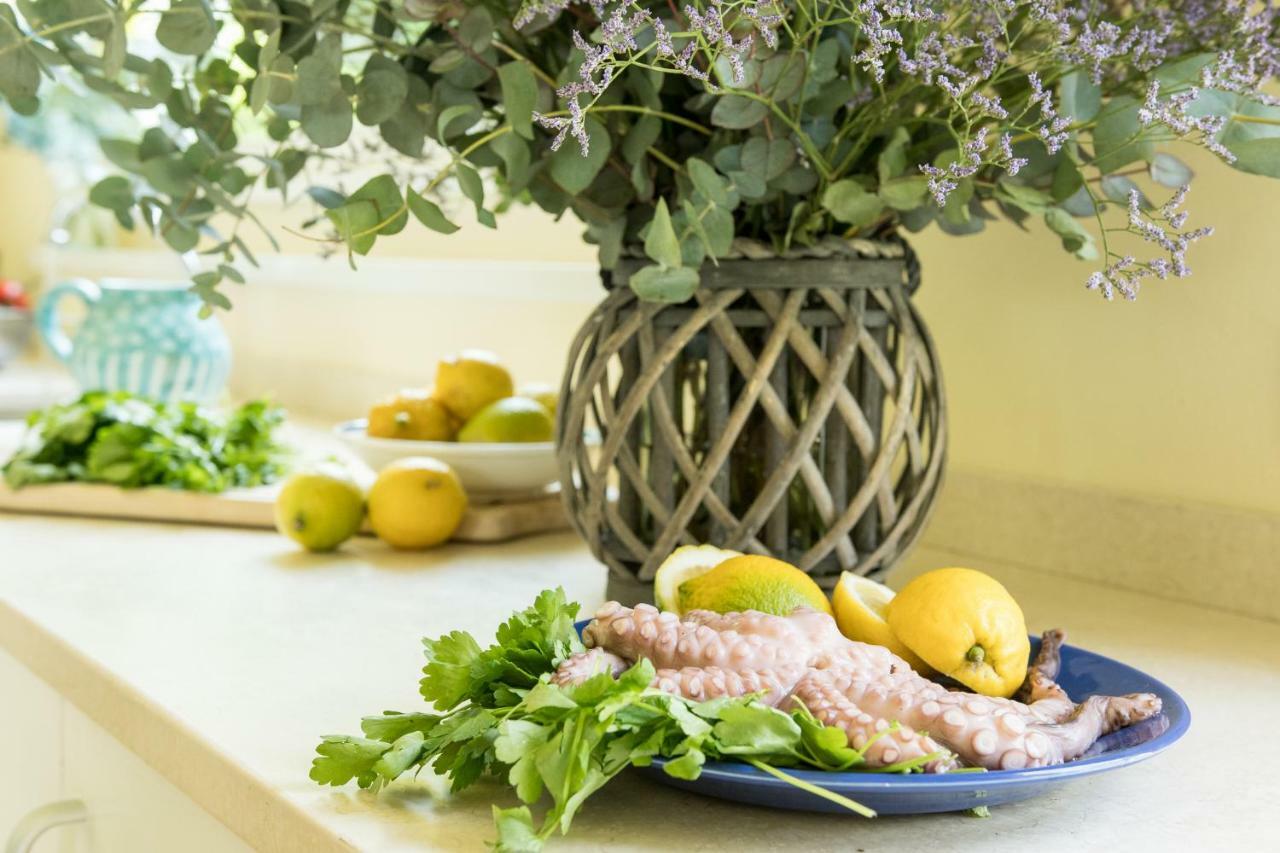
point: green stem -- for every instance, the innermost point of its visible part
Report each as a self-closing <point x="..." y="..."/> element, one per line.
<point x="671" y="117"/>
<point x="817" y="791"/>
<point x="1254" y="119"/>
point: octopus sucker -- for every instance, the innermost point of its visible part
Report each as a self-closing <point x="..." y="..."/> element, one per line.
<point x="870" y="693"/>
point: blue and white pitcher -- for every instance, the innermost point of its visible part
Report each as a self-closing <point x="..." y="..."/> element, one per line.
<point x="144" y="337"/>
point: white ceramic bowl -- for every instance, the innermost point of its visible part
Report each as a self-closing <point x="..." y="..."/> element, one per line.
<point x="488" y="471"/>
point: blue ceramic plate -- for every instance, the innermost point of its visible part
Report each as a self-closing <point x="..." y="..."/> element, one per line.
<point x="1083" y="674"/>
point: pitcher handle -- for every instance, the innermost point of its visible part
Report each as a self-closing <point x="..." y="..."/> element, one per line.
<point x="47" y="317"/>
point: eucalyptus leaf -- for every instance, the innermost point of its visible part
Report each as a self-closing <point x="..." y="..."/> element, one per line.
<point x="709" y="182"/>
<point x="573" y="171"/>
<point x="905" y="193"/>
<point x="1169" y="171"/>
<point x="1075" y="238"/>
<point x="767" y="158"/>
<point x="892" y="161"/>
<point x="665" y="284"/>
<point x="187" y="27"/>
<point x="384" y="194"/>
<point x="357" y="225"/>
<point x="429" y="213"/>
<point x="455" y="120"/>
<point x="19" y="70"/>
<point x="471" y="185"/>
<point x="382" y="90"/>
<point x="1118" y="187"/>
<point x="1257" y="156"/>
<point x="660" y="242"/>
<point x="1079" y="96"/>
<point x="328" y="124"/>
<point x="738" y="112"/>
<point x="113" y="193"/>
<point x="1080" y="203"/>
<point x="640" y="136"/>
<point x="320" y="73"/>
<point x="1119" y="138"/>
<point x="519" y="96"/>
<point x="1023" y="197"/>
<point x="849" y="202"/>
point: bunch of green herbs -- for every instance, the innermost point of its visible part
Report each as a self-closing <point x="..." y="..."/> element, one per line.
<point x="497" y="713"/>
<point x="130" y="441"/>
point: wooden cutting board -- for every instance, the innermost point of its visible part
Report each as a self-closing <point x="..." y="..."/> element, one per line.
<point x="254" y="508"/>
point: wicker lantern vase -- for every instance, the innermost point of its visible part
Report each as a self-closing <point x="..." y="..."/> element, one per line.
<point x="793" y="407"/>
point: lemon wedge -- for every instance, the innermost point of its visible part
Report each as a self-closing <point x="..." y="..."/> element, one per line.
<point x="860" y="606"/>
<point x="685" y="562"/>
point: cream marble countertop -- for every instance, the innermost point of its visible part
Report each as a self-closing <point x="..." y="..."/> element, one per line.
<point x="219" y="656"/>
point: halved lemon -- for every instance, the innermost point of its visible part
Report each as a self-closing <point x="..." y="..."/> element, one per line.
<point x="685" y="562"/>
<point x="751" y="582"/>
<point x="860" y="605"/>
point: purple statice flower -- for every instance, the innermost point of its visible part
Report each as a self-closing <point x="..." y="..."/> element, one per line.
<point x="989" y="106"/>
<point x="1173" y="114"/>
<point x="1011" y="164"/>
<point x="943" y="181"/>
<point x="558" y="124"/>
<point x="1053" y="127"/>
<point x="940" y="186"/>
<point x="1125" y="275"/>
<point x="767" y="16"/>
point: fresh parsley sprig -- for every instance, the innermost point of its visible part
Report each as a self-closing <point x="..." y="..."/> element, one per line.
<point x="500" y="715"/>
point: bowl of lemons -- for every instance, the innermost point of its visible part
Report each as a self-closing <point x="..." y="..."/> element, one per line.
<point x="497" y="437"/>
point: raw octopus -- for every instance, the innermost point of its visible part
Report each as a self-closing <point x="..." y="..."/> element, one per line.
<point x="803" y="659"/>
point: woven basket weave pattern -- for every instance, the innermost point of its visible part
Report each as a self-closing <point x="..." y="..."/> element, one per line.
<point x="793" y="407"/>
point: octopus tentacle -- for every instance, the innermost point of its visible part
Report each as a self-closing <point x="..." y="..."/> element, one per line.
<point x="819" y="694"/>
<point x="671" y="643"/>
<point x="578" y="668"/>
<point x="713" y="682"/>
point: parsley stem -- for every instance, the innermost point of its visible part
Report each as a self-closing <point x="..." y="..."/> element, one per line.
<point x="817" y="791"/>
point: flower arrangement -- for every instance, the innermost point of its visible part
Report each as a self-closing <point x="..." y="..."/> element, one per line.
<point x="672" y="129"/>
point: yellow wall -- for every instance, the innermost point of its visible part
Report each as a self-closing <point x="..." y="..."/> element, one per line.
<point x="1174" y="395"/>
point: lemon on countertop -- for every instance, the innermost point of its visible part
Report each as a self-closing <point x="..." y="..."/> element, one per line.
<point x="860" y="604"/>
<point x="965" y="625"/>
<point x="320" y="508"/>
<point x="416" y="502"/>
<point x="751" y="582"/>
<point x="685" y="562"/>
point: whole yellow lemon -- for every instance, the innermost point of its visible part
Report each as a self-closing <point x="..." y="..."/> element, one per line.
<point x="417" y="502"/>
<point x="412" y="414"/>
<point x="469" y="381"/>
<point x="320" y="508"/>
<point x="967" y="626"/>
